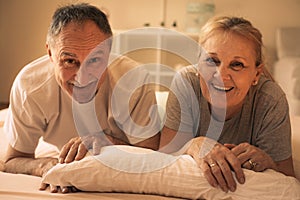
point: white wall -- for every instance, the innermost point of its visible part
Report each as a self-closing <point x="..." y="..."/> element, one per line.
<point x="23" y="24"/>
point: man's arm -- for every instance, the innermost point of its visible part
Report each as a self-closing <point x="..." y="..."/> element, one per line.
<point x="150" y="143"/>
<point x="24" y="163"/>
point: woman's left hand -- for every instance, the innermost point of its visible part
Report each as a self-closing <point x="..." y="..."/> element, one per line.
<point x="252" y="158"/>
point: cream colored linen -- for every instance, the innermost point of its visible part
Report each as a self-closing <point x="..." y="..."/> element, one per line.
<point x="25" y="187"/>
<point x="112" y="171"/>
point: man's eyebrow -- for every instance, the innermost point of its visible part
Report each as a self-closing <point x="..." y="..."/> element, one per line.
<point x="68" y="54"/>
<point x="98" y="51"/>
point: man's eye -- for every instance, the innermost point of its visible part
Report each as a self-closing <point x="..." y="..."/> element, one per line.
<point x="69" y="63"/>
<point x="237" y="66"/>
<point x="93" y="60"/>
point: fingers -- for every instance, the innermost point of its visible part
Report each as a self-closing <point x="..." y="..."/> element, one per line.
<point x="55" y="189"/>
<point x="235" y="165"/>
<point x="208" y="174"/>
<point x="68" y="189"/>
<point x="230" y="146"/>
<point x="77" y="148"/>
<point x="96" y="147"/>
<point x="66" y="149"/>
<point x="82" y="150"/>
<point x="73" y="150"/>
<point x="220" y="174"/>
<point x="218" y="168"/>
<point x="253" y="158"/>
<point x="43" y="186"/>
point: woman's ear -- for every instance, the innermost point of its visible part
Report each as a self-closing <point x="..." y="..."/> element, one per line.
<point x="259" y="71"/>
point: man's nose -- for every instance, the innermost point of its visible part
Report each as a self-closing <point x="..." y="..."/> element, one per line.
<point x="82" y="76"/>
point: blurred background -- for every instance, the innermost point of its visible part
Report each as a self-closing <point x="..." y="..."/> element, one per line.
<point x="24" y="24"/>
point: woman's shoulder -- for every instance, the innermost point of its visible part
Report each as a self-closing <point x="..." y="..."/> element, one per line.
<point x="269" y="88"/>
<point x="190" y="73"/>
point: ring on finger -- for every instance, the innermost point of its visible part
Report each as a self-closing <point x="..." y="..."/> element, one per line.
<point x="252" y="164"/>
<point x="212" y="165"/>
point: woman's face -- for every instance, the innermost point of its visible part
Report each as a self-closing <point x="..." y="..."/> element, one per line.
<point x="227" y="70"/>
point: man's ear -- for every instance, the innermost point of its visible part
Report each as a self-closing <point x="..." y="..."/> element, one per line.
<point x="49" y="52"/>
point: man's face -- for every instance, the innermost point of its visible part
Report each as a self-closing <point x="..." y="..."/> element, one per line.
<point x="80" y="55"/>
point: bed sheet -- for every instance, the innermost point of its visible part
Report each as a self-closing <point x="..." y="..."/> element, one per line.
<point x="19" y="186"/>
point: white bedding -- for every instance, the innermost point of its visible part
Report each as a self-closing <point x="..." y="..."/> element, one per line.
<point x="20" y="186"/>
<point x="17" y="186"/>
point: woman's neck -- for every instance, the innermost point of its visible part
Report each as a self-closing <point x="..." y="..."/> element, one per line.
<point x="223" y="114"/>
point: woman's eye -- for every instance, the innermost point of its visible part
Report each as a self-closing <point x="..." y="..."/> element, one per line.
<point x="237" y="66"/>
<point x="212" y="61"/>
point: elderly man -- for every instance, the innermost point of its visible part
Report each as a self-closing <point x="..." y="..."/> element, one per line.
<point x="74" y="93"/>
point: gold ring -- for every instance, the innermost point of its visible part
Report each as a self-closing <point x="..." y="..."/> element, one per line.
<point x="252" y="164"/>
<point x="212" y="165"/>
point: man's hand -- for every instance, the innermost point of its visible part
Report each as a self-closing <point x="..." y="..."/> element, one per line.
<point x="55" y="189"/>
<point x="73" y="150"/>
<point x="77" y="147"/>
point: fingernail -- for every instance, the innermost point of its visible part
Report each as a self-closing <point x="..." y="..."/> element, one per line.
<point x="65" y="190"/>
<point x="54" y="191"/>
<point x="232" y="189"/>
<point x="242" y="180"/>
<point x="225" y="189"/>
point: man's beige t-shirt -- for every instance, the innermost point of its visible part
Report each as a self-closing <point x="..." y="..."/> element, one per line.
<point x="39" y="108"/>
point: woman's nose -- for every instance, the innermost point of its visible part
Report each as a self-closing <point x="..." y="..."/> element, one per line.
<point x="222" y="71"/>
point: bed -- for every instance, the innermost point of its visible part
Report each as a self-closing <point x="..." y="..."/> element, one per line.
<point x="267" y="185"/>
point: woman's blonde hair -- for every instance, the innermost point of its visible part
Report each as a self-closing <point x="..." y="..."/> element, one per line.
<point x="236" y="25"/>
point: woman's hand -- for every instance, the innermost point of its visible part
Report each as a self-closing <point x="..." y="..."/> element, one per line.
<point x="218" y="164"/>
<point x="253" y="158"/>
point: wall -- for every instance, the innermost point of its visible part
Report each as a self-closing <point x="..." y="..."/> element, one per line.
<point x="23" y="24"/>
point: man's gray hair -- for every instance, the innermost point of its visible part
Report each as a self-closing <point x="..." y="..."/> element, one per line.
<point x="77" y="13"/>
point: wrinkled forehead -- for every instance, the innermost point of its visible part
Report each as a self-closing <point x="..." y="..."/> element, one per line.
<point x="85" y="35"/>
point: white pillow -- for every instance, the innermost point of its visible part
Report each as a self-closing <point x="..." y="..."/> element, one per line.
<point x="136" y="170"/>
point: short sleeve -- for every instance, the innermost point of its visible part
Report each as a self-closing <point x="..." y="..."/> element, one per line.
<point x="23" y="124"/>
<point x="274" y="136"/>
<point x="182" y="109"/>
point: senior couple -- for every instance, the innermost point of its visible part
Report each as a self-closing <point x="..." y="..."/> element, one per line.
<point x="73" y="99"/>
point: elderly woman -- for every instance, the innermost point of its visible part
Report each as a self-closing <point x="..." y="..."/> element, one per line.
<point x="236" y="114"/>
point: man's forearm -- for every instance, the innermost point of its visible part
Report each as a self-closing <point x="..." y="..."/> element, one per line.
<point x="30" y="166"/>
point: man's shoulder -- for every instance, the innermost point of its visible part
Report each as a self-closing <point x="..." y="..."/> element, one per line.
<point x="121" y="63"/>
<point x="123" y="67"/>
<point x="36" y="78"/>
<point x="35" y="74"/>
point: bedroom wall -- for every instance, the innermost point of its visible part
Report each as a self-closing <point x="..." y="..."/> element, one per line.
<point x="23" y="24"/>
